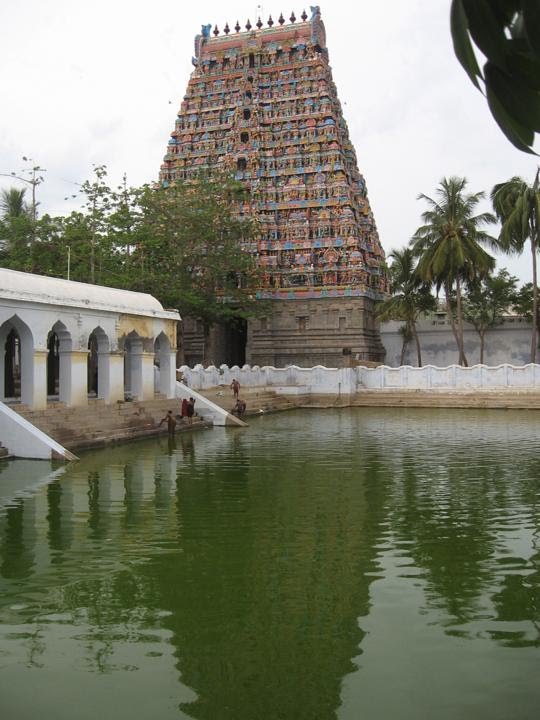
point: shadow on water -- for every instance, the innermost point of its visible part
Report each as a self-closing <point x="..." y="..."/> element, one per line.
<point x="277" y="570"/>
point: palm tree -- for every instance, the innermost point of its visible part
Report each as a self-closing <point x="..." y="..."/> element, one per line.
<point x="15" y="228"/>
<point x="410" y="298"/>
<point x="517" y="206"/>
<point x="12" y="203"/>
<point x="449" y="248"/>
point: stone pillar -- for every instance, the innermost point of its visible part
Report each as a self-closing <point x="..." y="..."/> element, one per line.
<point x="148" y="390"/>
<point x="34" y="378"/>
<point x="167" y="373"/>
<point x="142" y="374"/>
<point x="111" y="376"/>
<point x="74" y="377"/>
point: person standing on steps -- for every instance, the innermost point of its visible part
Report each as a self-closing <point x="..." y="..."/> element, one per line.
<point x="183" y="411"/>
<point x="190" y="409"/>
<point x="235" y="387"/>
<point x="171" y="422"/>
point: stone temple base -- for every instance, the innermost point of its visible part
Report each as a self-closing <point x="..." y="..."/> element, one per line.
<point x="333" y="332"/>
<point x="326" y="331"/>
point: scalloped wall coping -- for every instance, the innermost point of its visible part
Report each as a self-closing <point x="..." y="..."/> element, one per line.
<point x="322" y="380"/>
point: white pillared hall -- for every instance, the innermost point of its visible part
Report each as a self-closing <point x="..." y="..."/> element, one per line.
<point x="67" y="341"/>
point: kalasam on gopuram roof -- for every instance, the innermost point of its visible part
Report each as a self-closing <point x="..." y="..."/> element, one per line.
<point x="261" y="103"/>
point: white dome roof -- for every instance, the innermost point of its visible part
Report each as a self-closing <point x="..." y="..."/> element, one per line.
<point x="28" y="287"/>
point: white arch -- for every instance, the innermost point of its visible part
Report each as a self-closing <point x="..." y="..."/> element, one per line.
<point x="103" y="342"/>
<point x="26" y="340"/>
<point x="66" y="375"/>
<point x="103" y="348"/>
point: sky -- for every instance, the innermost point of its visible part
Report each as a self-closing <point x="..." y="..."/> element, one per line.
<point x="86" y="84"/>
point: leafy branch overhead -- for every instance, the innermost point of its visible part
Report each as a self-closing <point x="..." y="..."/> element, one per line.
<point x="507" y="32"/>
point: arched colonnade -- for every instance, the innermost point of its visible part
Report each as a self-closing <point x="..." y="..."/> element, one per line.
<point x="57" y="345"/>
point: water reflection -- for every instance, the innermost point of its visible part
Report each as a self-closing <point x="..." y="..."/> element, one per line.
<point x="286" y="571"/>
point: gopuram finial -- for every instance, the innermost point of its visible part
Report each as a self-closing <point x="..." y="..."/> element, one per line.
<point x="226" y="29"/>
<point x="304" y="15"/>
<point x="259" y="23"/>
<point x="293" y="17"/>
<point x="216" y="31"/>
<point x="281" y="19"/>
<point x="248" y="25"/>
<point x="237" y="27"/>
<point x="270" y="21"/>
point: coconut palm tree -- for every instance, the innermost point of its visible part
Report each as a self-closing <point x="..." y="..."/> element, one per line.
<point x="15" y="227"/>
<point x="449" y="246"/>
<point x="410" y="298"/>
<point x="517" y="206"/>
<point x="12" y="203"/>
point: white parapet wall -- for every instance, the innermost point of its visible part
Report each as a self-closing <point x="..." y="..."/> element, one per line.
<point x="453" y="377"/>
<point x="286" y="381"/>
<point x="24" y="440"/>
<point x="321" y="380"/>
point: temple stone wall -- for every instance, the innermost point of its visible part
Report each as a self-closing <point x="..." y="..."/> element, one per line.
<point x="225" y="343"/>
<point x="326" y="332"/>
<point x="315" y="332"/>
<point x="506" y="343"/>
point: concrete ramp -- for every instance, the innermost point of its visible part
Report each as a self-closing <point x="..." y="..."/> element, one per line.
<point x="24" y="440"/>
<point x="207" y="409"/>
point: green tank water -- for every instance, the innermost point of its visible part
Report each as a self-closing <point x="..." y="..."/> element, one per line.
<point x="348" y="563"/>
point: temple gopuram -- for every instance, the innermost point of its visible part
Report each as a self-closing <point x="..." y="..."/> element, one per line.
<point x="261" y="103"/>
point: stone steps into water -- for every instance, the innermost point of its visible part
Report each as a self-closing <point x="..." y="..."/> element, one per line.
<point x="268" y="400"/>
<point x="98" y="424"/>
<point x="257" y="399"/>
<point x="443" y="399"/>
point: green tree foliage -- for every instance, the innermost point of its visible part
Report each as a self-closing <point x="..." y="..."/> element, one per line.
<point x="507" y="32"/>
<point x="523" y="303"/>
<point x="92" y="227"/>
<point x="517" y="206"/>
<point x="16" y="230"/>
<point x="449" y="246"/>
<point x="488" y="301"/>
<point x="184" y="243"/>
<point x="410" y="299"/>
<point x="188" y="249"/>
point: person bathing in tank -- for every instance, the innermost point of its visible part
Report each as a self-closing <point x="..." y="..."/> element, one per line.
<point x="240" y="408"/>
<point x="171" y="422"/>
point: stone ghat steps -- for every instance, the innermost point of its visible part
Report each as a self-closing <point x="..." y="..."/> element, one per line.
<point x="256" y="399"/>
<point x="441" y="399"/>
<point x="269" y="401"/>
<point x="98" y="424"/>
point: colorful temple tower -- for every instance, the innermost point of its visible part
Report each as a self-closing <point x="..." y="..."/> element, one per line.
<point x="263" y="104"/>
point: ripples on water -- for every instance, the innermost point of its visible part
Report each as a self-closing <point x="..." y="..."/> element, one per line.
<point x="341" y="564"/>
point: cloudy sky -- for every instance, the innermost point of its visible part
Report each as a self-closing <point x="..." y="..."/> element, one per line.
<point x="101" y="82"/>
